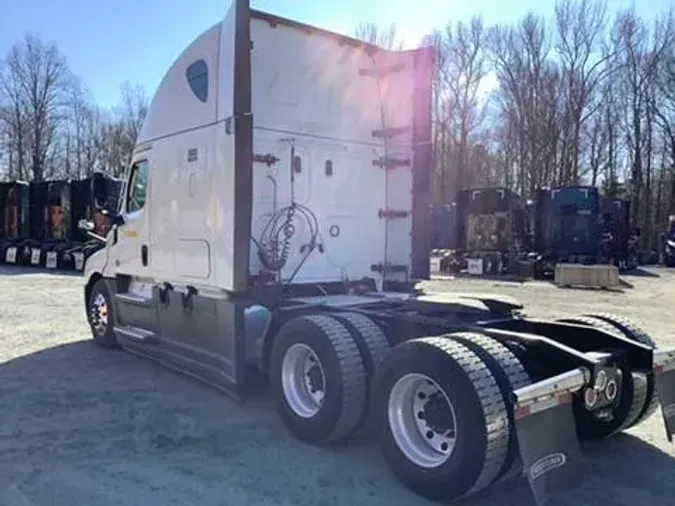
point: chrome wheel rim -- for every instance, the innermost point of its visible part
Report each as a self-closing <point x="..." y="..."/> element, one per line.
<point x="422" y="420"/>
<point x="99" y="313"/>
<point x="303" y="380"/>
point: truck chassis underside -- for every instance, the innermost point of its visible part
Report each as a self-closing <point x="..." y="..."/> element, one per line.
<point x="553" y="382"/>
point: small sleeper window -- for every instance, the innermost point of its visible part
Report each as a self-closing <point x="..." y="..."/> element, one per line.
<point x="197" y="75"/>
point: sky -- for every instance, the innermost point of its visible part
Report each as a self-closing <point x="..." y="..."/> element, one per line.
<point x="108" y="42"/>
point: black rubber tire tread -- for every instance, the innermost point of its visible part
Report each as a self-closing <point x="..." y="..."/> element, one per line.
<point x="107" y="339"/>
<point x="440" y="358"/>
<point x="371" y="334"/>
<point x="633" y="331"/>
<point x="640" y="395"/>
<point x="638" y="385"/>
<point x="373" y="347"/>
<point x="342" y="350"/>
<point x="510" y="375"/>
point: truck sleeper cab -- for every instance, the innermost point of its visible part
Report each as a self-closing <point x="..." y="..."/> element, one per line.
<point x="274" y="220"/>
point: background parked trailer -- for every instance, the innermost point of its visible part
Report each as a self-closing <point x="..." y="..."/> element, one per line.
<point x="444" y="239"/>
<point x="492" y="229"/>
<point x="577" y="225"/>
<point x="40" y="220"/>
<point x="49" y="224"/>
<point x="567" y="226"/>
<point x="90" y="197"/>
<point x="16" y="221"/>
<point x="444" y="226"/>
<point x="619" y="241"/>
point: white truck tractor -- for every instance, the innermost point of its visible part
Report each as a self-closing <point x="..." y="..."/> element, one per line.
<point x="275" y="221"/>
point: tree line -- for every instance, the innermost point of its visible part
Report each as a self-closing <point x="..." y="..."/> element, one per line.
<point x="50" y="126"/>
<point x="582" y="97"/>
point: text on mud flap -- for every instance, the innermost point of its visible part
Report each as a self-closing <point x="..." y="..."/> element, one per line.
<point x="546" y="464"/>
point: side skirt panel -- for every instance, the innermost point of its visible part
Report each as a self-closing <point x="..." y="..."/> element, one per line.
<point x="200" y="336"/>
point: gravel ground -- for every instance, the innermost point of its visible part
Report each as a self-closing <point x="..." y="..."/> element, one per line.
<point x="81" y="426"/>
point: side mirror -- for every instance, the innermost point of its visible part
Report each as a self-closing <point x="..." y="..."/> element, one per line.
<point x="85" y="225"/>
<point x="115" y="219"/>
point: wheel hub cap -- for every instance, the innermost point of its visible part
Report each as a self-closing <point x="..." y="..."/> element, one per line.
<point x="422" y="420"/>
<point x="303" y="380"/>
<point x="99" y="313"/>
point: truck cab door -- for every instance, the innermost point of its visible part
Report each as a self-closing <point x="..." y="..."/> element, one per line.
<point x="129" y="257"/>
<point x="131" y="253"/>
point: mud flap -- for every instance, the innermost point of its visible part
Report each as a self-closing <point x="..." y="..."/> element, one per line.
<point x="547" y="437"/>
<point x="664" y="376"/>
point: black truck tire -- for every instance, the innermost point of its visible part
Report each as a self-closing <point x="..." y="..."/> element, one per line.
<point x="340" y="388"/>
<point x="631" y="403"/>
<point x="414" y="433"/>
<point x="101" y="317"/>
<point x="510" y="375"/>
<point x="633" y="331"/>
<point x="373" y="347"/>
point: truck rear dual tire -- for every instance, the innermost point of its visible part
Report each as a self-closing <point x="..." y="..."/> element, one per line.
<point x="638" y="399"/>
<point x="443" y="424"/>
<point x="320" y="369"/>
<point x="510" y="375"/>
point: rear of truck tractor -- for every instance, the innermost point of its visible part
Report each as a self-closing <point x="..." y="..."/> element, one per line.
<point x="459" y="411"/>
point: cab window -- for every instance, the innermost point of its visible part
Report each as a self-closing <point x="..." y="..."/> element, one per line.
<point x="137" y="187"/>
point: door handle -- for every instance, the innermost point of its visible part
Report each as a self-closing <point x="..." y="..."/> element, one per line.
<point x="144" y="255"/>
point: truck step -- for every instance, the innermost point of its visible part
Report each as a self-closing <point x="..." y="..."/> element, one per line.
<point x="137" y="300"/>
<point x="136" y="334"/>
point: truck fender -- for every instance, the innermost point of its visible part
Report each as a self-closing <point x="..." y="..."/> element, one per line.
<point x="257" y="322"/>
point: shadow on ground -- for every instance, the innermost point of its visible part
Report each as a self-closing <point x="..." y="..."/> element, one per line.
<point x="79" y="425"/>
<point x="642" y="273"/>
<point x="20" y="270"/>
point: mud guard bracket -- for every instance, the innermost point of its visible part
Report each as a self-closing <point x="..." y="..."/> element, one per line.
<point x="546" y="431"/>
<point x="664" y="377"/>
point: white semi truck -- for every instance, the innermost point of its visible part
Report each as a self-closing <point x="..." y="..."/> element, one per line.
<point x="275" y="220"/>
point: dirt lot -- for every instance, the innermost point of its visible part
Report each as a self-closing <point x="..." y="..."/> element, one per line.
<point x="82" y="426"/>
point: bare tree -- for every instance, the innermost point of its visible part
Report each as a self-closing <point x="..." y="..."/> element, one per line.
<point x="385" y="38"/>
<point x="130" y="114"/>
<point x="34" y="79"/>
<point x="528" y="99"/>
<point x="640" y="57"/>
<point x="580" y="27"/>
<point x="463" y="70"/>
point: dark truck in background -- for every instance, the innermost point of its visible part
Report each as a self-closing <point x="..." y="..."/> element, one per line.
<point x="492" y="231"/>
<point x="576" y="224"/>
<point x="619" y="242"/>
<point x="485" y="231"/>
<point x="39" y="220"/>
